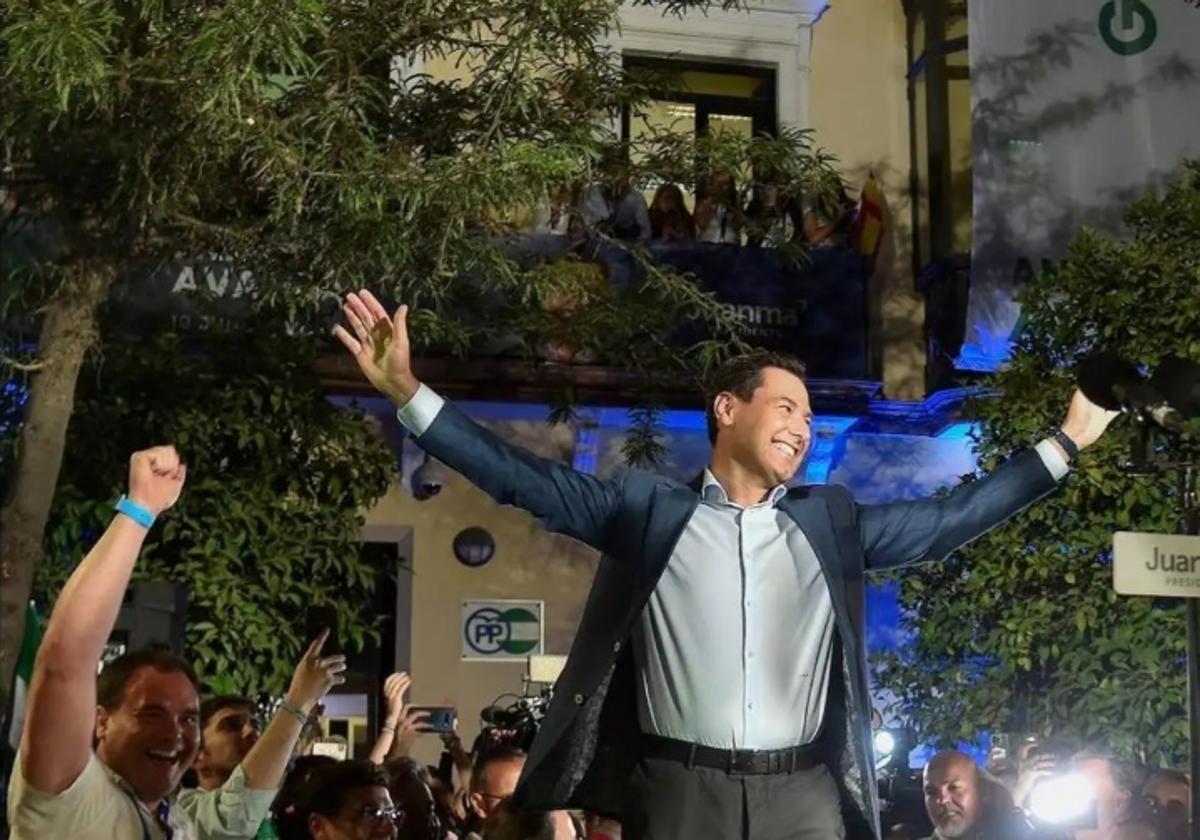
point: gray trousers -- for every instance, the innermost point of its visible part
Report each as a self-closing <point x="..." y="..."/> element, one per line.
<point x="669" y="801"/>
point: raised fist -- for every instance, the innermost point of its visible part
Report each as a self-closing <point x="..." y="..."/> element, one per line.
<point x="156" y="478"/>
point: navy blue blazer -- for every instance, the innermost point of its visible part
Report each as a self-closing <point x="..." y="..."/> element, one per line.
<point x="587" y="746"/>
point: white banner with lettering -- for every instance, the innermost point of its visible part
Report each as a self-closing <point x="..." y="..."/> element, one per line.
<point x="1078" y="107"/>
<point x="1156" y="564"/>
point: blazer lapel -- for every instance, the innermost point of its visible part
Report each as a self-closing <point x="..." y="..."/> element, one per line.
<point x="811" y="516"/>
<point x="672" y="507"/>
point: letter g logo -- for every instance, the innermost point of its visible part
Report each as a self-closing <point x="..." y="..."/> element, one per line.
<point x="1129" y="36"/>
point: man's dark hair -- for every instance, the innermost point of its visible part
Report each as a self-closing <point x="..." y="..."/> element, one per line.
<point x="330" y="787"/>
<point x="110" y="686"/>
<point x="1170" y="774"/>
<point x="1125" y="774"/>
<point x="741" y="376"/>
<point x="405" y="770"/>
<point x="288" y="807"/>
<point x="210" y="707"/>
<point x="510" y="824"/>
<point x="489" y="756"/>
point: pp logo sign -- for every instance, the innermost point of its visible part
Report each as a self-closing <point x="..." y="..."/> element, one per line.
<point x="501" y="631"/>
<point x="1128" y="27"/>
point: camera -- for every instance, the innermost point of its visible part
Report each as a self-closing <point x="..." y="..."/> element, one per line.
<point x="515" y="724"/>
<point x="428" y="479"/>
<point x="1064" y="802"/>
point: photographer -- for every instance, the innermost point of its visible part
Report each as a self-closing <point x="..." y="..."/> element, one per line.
<point x="1091" y="796"/>
<point x="1116" y="786"/>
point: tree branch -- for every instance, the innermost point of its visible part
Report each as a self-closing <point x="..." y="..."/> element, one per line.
<point x="24" y="367"/>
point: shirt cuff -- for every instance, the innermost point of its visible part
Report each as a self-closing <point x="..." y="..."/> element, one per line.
<point x="255" y="802"/>
<point x="418" y="414"/>
<point x="1053" y="459"/>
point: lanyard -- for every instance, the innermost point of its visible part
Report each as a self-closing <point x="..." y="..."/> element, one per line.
<point x="163" y="813"/>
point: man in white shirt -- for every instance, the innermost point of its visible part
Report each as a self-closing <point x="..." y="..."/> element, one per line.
<point x="144" y="711"/>
<point x="144" y="714"/>
<point x="240" y="770"/>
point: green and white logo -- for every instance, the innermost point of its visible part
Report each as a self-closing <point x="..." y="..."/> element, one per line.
<point x="492" y="631"/>
<point x="1128" y="27"/>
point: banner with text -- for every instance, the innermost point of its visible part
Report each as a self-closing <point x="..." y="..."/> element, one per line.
<point x="1078" y="107"/>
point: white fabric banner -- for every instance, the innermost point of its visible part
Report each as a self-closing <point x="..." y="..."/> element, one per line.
<point x="1078" y="107"/>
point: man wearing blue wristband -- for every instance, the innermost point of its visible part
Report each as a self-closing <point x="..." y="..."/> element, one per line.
<point x="143" y="713"/>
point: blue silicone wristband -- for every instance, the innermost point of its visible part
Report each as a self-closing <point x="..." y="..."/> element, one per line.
<point x="134" y="511"/>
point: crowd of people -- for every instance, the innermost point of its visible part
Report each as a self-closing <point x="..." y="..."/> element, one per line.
<point x="721" y="214"/>
<point x="154" y="761"/>
<point x="107" y="758"/>
<point x="136" y="753"/>
<point x="1089" y="795"/>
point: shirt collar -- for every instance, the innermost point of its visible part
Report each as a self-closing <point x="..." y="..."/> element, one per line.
<point x="712" y="492"/>
<point x="162" y="812"/>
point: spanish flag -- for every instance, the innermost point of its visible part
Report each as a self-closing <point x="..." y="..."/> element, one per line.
<point x="867" y="232"/>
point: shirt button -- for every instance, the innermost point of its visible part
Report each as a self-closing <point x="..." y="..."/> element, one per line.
<point x="578" y="699"/>
<point x="749" y="705"/>
<point x="617" y="647"/>
<point x="750" y="655"/>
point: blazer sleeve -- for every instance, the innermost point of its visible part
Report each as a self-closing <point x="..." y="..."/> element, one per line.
<point x="901" y="533"/>
<point x="565" y="500"/>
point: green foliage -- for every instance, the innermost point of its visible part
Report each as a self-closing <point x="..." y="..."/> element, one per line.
<point x="287" y="137"/>
<point x="1022" y="630"/>
<point x="268" y="524"/>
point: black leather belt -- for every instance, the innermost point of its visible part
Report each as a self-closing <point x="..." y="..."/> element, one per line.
<point x="734" y="762"/>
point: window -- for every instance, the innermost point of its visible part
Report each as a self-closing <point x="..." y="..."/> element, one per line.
<point x="698" y="97"/>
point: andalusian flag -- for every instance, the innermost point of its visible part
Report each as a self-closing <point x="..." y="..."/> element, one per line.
<point x="29" y="648"/>
<point x="867" y="233"/>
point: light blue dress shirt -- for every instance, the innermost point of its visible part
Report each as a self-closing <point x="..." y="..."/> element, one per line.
<point x="734" y="646"/>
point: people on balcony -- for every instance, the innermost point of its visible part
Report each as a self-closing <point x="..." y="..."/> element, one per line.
<point x="670" y="221"/>
<point x="718" y="211"/>
<point x="773" y="216"/>
<point x="827" y="223"/>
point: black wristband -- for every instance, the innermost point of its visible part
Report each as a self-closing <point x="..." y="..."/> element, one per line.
<point x="1068" y="445"/>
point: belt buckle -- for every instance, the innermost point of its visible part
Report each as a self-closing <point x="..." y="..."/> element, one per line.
<point x="741" y="762"/>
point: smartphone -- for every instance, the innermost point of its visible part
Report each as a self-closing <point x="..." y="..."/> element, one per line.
<point x="439" y="719"/>
<point x="338" y="750"/>
<point x="316" y="620"/>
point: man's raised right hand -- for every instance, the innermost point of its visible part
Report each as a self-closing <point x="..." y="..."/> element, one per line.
<point x="380" y="345"/>
<point x="156" y="477"/>
<point x="315" y="675"/>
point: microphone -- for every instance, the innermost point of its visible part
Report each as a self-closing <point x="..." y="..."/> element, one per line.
<point x="1102" y="375"/>
<point x="1178" y="380"/>
<point x="1168" y="398"/>
<point x="1143" y="400"/>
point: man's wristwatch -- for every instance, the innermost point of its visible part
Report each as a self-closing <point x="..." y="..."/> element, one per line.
<point x="1069" y="446"/>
